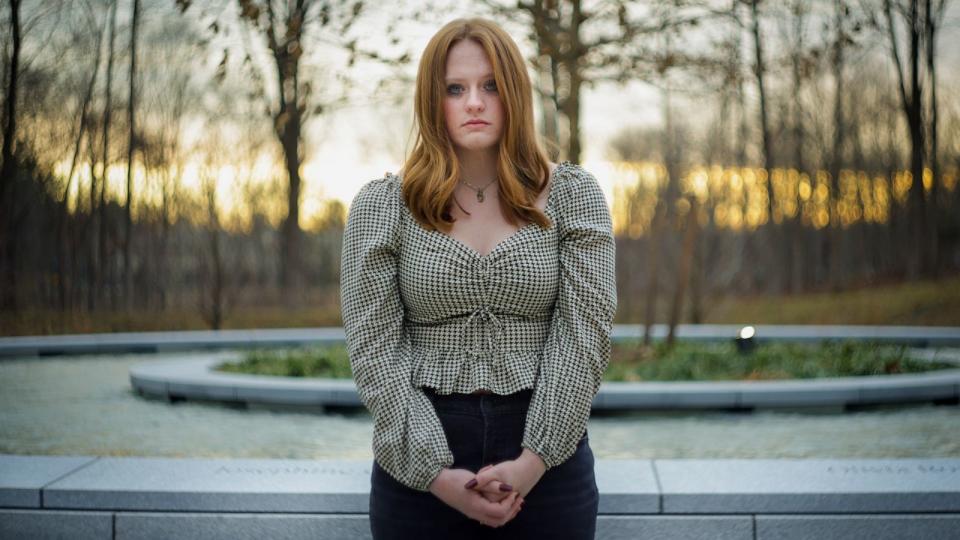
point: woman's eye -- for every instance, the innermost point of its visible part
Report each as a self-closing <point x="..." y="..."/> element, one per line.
<point x="491" y="86"/>
<point x="454" y="89"/>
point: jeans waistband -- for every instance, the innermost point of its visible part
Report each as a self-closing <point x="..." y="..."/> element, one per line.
<point x="480" y="404"/>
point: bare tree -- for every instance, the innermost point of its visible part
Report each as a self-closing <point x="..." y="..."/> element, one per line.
<point x="686" y="261"/>
<point x="283" y="26"/>
<point x="578" y="45"/>
<point x="760" y="71"/>
<point x="100" y="265"/>
<point x="8" y="181"/>
<point x="131" y="121"/>
<point x="919" y="27"/>
<point x="65" y="271"/>
<point x="933" y="20"/>
<point x="840" y="13"/>
<point x="212" y="287"/>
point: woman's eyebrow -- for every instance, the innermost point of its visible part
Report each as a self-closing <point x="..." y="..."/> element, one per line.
<point x="452" y="79"/>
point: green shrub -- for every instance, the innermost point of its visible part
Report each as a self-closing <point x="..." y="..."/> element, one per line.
<point x="631" y="361"/>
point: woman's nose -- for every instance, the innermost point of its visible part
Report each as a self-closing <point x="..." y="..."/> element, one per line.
<point x="475" y="101"/>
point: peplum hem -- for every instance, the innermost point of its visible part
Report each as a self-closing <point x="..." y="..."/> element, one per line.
<point x="453" y="371"/>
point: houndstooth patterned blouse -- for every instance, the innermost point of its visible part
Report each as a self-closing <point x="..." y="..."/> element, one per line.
<point x="421" y="308"/>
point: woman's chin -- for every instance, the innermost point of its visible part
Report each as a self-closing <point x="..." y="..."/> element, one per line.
<point x="476" y="146"/>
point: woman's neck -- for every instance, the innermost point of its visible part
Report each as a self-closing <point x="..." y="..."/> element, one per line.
<point x="478" y="168"/>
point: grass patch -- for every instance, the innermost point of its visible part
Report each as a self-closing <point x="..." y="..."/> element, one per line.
<point x="720" y="361"/>
<point x="919" y="303"/>
<point x="630" y="361"/>
<point x="329" y="362"/>
<point x="927" y="303"/>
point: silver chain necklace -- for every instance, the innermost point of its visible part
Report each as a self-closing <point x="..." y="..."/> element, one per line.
<point x="479" y="191"/>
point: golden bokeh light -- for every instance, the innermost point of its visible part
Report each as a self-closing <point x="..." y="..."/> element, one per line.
<point x="738" y="197"/>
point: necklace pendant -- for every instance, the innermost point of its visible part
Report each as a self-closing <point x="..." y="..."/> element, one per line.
<point x="480" y="196"/>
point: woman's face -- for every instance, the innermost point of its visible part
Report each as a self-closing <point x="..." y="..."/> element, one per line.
<point x="471" y="104"/>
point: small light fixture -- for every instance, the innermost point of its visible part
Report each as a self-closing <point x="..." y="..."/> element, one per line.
<point x="744" y="340"/>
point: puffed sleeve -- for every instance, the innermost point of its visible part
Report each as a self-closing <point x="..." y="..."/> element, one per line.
<point x="408" y="439"/>
<point x="577" y="349"/>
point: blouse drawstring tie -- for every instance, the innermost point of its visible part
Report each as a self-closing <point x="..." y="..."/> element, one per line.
<point x="477" y="325"/>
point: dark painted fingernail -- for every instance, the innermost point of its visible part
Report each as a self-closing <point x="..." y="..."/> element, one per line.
<point x="506" y="487"/>
<point x="471" y="484"/>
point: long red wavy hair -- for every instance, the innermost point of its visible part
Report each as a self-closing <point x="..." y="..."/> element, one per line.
<point x="431" y="170"/>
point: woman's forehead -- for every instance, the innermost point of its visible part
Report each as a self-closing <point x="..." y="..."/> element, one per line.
<point x="467" y="59"/>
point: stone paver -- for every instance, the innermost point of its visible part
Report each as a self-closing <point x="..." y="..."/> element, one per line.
<point x="860" y="527"/>
<point x="763" y="486"/>
<point x="211" y="485"/>
<point x="23" y="477"/>
<point x="736" y="499"/>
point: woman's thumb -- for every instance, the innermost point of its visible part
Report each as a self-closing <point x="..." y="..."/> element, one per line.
<point x="485" y="475"/>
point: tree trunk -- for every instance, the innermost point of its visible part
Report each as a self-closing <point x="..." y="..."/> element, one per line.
<point x="760" y="71"/>
<point x="697" y="277"/>
<point x="103" y="266"/>
<point x="836" y="160"/>
<point x="571" y="103"/>
<point x="791" y="227"/>
<point x="932" y="20"/>
<point x="683" y="273"/>
<point x="214" y="277"/>
<point x="653" y="258"/>
<point x="91" y="229"/>
<point x="547" y="73"/>
<point x="287" y="49"/>
<point x="8" y="180"/>
<point x="131" y="109"/>
<point x="911" y="97"/>
<point x="290" y="140"/>
<point x="64" y="270"/>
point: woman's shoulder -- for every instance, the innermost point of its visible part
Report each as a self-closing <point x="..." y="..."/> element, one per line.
<point x="376" y="208"/>
<point x="381" y="193"/>
<point x="381" y="186"/>
<point x="576" y="187"/>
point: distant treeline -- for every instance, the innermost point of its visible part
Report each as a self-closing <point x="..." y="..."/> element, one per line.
<point x="152" y="152"/>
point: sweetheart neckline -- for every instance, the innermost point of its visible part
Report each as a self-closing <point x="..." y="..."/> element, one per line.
<point x="548" y="208"/>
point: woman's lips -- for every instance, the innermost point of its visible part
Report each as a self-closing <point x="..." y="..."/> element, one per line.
<point x="476" y="123"/>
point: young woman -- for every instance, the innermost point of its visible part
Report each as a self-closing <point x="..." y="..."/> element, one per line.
<point x="478" y="294"/>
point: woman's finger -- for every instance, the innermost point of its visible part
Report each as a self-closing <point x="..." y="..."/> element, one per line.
<point x="517" y="505"/>
<point x="514" y="510"/>
<point x="492" y="482"/>
<point x="492" y="486"/>
<point x="492" y="490"/>
<point x="494" y="497"/>
<point x="500" y="510"/>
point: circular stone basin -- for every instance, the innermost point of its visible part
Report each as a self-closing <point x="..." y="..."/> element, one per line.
<point x="197" y="379"/>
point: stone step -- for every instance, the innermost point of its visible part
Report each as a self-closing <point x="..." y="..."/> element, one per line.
<point x="90" y="497"/>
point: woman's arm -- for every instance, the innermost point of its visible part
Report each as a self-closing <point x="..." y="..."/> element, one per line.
<point x="408" y="439"/>
<point x="577" y="348"/>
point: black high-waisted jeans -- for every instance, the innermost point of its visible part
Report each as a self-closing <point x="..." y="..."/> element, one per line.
<point x="484" y="429"/>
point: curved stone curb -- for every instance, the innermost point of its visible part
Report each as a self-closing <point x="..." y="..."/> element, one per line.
<point x="196" y="379"/>
<point x="151" y="342"/>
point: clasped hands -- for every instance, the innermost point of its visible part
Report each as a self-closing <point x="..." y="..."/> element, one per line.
<point x="494" y="495"/>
